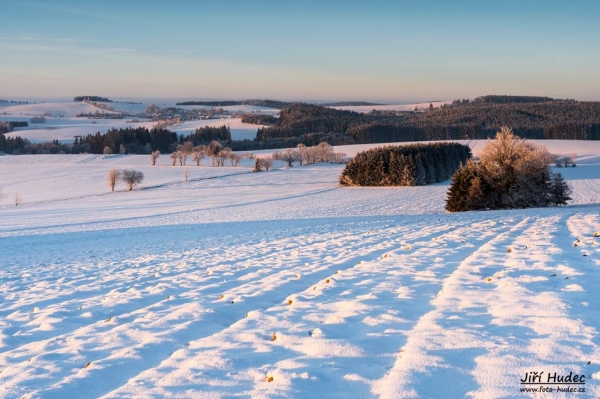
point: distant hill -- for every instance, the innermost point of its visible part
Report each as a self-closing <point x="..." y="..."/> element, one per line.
<point x="529" y="117"/>
<point x="512" y="99"/>
<point x="349" y="104"/>
<point x="227" y="103"/>
<point x="92" y="98"/>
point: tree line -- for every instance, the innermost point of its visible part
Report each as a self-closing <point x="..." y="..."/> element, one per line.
<point x="260" y="119"/>
<point x="409" y="165"/>
<point x="7" y="127"/>
<point x="144" y="141"/>
<point x="532" y="118"/>
<point x="511" y="99"/>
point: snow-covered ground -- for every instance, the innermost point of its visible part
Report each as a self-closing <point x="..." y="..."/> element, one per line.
<point x="281" y="284"/>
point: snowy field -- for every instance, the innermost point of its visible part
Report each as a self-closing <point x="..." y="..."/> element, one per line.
<point x="281" y="284"/>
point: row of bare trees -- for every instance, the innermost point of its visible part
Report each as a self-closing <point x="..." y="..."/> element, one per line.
<point x="217" y="153"/>
<point x="308" y="155"/>
<point x="565" y="160"/>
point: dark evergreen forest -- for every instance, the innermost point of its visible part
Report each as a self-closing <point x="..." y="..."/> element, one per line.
<point x="529" y="117"/>
<point x="408" y="165"/>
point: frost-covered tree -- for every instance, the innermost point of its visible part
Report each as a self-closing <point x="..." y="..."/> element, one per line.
<point x="511" y="173"/>
<point x="187" y="147"/>
<point x="290" y="156"/>
<point x="113" y="178"/>
<point x="198" y="154"/>
<point x="266" y="163"/>
<point x="212" y="150"/>
<point x="324" y="152"/>
<point x="154" y="156"/>
<point x="302" y="151"/>
<point x="174" y="157"/>
<point x="257" y="165"/>
<point x="224" y="154"/>
<point x="234" y="159"/>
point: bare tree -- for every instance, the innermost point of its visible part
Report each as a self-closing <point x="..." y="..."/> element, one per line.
<point x="113" y="177"/>
<point x="131" y="178"/>
<point x="186" y="174"/>
<point x="182" y="158"/>
<point x="18" y="199"/>
<point x="107" y="150"/>
<point x="290" y="156"/>
<point x="154" y="156"/>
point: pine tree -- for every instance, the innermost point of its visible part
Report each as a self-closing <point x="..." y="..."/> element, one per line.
<point x="559" y="190"/>
<point x="458" y="193"/>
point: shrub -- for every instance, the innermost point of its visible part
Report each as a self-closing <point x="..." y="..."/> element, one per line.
<point x="511" y="173"/>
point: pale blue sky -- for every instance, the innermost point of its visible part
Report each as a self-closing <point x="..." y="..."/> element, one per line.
<point x="306" y="50"/>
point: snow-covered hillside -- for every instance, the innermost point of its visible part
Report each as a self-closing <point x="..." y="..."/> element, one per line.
<point x="62" y="124"/>
<point x="392" y="107"/>
<point x="281" y="284"/>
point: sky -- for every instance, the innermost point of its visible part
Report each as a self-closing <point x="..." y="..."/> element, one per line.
<point x="384" y="51"/>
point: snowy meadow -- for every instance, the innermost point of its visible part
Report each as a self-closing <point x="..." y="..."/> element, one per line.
<point x="282" y="284"/>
